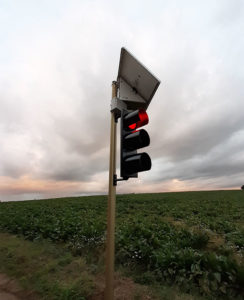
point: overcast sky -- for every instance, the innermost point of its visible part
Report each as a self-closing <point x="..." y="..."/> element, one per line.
<point x="57" y="62"/>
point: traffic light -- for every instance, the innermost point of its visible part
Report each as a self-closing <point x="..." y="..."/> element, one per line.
<point x="132" y="162"/>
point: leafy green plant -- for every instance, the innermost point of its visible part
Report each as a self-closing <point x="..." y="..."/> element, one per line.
<point x="163" y="236"/>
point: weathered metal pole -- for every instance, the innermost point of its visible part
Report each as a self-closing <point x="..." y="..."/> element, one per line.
<point x="109" y="290"/>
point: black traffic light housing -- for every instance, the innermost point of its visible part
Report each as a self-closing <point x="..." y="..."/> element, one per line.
<point x="132" y="162"/>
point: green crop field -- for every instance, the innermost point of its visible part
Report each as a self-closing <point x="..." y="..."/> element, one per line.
<point x="192" y="240"/>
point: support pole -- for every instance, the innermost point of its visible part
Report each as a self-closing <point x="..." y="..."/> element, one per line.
<point x="109" y="290"/>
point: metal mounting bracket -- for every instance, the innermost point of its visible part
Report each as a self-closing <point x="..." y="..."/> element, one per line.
<point x="115" y="179"/>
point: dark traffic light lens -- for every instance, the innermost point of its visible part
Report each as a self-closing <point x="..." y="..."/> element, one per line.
<point x="136" y="140"/>
<point x="139" y="162"/>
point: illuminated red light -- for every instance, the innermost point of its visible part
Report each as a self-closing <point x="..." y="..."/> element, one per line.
<point x="132" y="126"/>
<point x="143" y="120"/>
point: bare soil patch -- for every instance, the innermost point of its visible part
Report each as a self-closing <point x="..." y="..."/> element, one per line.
<point x="124" y="289"/>
<point x="11" y="290"/>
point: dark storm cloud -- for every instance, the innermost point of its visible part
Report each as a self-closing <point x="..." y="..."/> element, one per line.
<point x="202" y="137"/>
<point x="225" y="160"/>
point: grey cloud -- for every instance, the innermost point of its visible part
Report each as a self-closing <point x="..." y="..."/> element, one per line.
<point x="55" y="95"/>
<point x="75" y="169"/>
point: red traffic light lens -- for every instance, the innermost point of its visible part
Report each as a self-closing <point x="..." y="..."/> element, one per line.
<point x="143" y="120"/>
